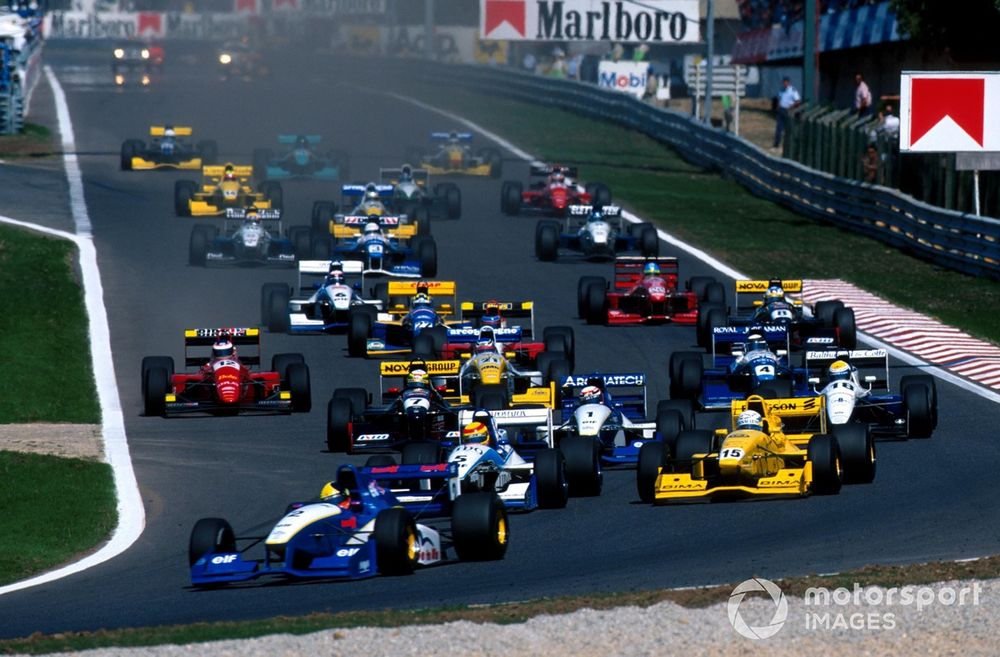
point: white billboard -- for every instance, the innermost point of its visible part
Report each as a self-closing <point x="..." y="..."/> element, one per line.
<point x="949" y="112"/>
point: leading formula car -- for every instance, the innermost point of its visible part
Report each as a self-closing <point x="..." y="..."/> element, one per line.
<point x="356" y="528"/>
<point x="167" y="150"/>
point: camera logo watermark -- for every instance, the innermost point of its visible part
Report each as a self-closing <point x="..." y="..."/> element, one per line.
<point x="757" y="632"/>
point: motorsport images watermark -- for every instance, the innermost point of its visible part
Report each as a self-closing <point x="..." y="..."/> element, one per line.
<point x="859" y="608"/>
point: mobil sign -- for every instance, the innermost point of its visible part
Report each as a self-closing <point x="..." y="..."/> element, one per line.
<point x="628" y="77"/>
<point x="648" y="21"/>
<point x="949" y="112"/>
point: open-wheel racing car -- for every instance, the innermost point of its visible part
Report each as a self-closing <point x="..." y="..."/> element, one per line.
<point x="454" y="155"/>
<point x="221" y="381"/>
<point x="249" y="237"/>
<point x="596" y="233"/>
<point x="385" y="246"/>
<point x="415" y="319"/>
<point x="551" y="192"/>
<point x="645" y="291"/>
<point x="373" y="201"/>
<point x="318" y="307"/>
<point x="225" y="186"/>
<point x="414" y="196"/>
<point x="776" y="447"/>
<point x="299" y="159"/>
<point x="167" y="150"/>
<point x="135" y="62"/>
<point x="357" y="528"/>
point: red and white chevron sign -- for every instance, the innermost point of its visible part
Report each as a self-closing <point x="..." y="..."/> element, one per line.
<point x="930" y="340"/>
<point x="949" y="112"/>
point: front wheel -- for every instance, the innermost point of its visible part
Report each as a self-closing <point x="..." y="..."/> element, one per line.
<point x="397" y="546"/>
<point x="479" y="527"/>
<point x="210" y="535"/>
<point x="583" y="465"/>
<point x="550" y="477"/>
<point x="651" y="458"/>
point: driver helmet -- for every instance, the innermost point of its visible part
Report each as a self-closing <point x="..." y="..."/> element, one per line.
<point x="559" y="177"/>
<point x="750" y="420"/>
<point x="596" y="215"/>
<point x="651" y="269"/>
<point x="486" y="342"/>
<point x="491" y="315"/>
<point x="416" y="377"/>
<point x="590" y="395"/>
<point x="372" y="228"/>
<point x="223" y="348"/>
<point x="421" y="300"/>
<point x="476" y="432"/>
<point x="774" y="293"/>
<point x="169" y="133"/>
<point x="252" y="215"/>
<point x="839" y="371"/>
<point x="335" y="276"/>
<point x="453" y="137"/>
<point x="301" y="142"/>
<point x="333" y="495"/>
<point x="406" y="173"/>
<point x="371" y="194"/>
<point x="756" y="342"/>
<point x="228" y="173"/>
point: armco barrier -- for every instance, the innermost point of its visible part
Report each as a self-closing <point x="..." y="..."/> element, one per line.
<point x="951" y="239"/>
<point x="20" y="56"/>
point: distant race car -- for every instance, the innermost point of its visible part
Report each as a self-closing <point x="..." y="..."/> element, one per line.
<point x="372" y="200"/>
<point x="855" y="385"/>
<point x="357" y="528"/>
<point x="646" y="291"/>
<point x="776" y="301"/>
<point x="136" y="63"/>
<point x="415" y="319"/>
<point x="317" y="307"/>
<point x="167" y="150"/>
<point x="454" y="155"/>
<point x="385" y="246"/>
<point x="225" y="384"/>
<point x="299" y="158"/>
<point x="226" y="186"/>
<point x="596" y="233"/>
<point x="551" y="192"/>
<point x="241" y="60"/>
<point x="248" y="237"/>
<point x="414" y="196"/>
<point x="775" y="447"/>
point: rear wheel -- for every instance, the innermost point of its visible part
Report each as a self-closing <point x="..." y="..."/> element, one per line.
<point x="298" y="385"/>
<point x="582" y="287"/>
<point x="847" y="332"/>
<point x="491" y="397"/>
<point x="917" y="406"/>
<point x="274" y="193"/>
<point x="427" y="254"/>
<point x="210" y="535"/>
<point x="824" y="454"/>
<point x="824" y="311"/>
<point x="421" y="453"/>
<point x="669" y="425"/>
<point x="266" y="291"/>
<point x="127" y="153"/>
<point x="320" y="246"/>
<point x="547" y="241"/>
<point x="322" y="214"/>
<point x="583" y="465"/>
<point x="931" y="383"/>
<point x="380" y="461"/>
<point x="299" y="236"/>
<point x="479" y="527"/>
<point x="198" y="246"/>
<point x="715" y="317"/>
<point x="357" y="396"/>
<point x="601" y="196"/>
<point x="777" y="389"/>
<point x="550" y="477"/>
<point x="156" y="385"/>
<point x="359" y="329"/>
<point x="453" y="198"/>
<point x="569" y="341"/>
<point x="682" y="406"/>
<point x="281" y="362"/>
<point x="597" y="303"/>
<point x="278" y="320"/>
<point x="698" y="285"/>
<point x="338" y="425"/>
<point x="715" y="293"/>
<point x="397" y="546"/>
<point x="184" y="191"/>
<point x="674" y="370"/>
<point x="149" y="362"/>
<point x="510" y="200"/>
<point x="689" y="444"/>
<point x="649" y="242"/>
<point x="651" y="458"/>
<point x="689" y="379"/>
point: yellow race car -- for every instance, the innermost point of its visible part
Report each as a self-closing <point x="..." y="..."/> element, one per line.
<point x="225" y="186"/>
<point x="776" y="447"/>
<point x="455" y="155"/>
<point x="167" y="150"/>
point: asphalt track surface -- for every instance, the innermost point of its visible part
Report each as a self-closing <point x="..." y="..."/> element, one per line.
<point x="932" y="499"/>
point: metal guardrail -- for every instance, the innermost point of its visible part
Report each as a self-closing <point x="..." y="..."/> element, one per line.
<point x="955" y="240"/>
<point x="20" y="69"/>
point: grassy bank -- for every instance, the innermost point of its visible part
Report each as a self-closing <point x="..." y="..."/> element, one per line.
<point x="755" y="236"/>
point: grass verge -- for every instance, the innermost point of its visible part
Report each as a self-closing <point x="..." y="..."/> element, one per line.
<point x="35" y="141"/>
<point x="517" y="612"/>
<point x="75" y="497"/>
<point x="753" y="235"/>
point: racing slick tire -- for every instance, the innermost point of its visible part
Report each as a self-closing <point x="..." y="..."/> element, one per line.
<point x="453" y="199"/>
<point x="557" y="372"/>
<point x="357" y="396"/>
<point x="280" y="363"/>
<point x="397" y="543"/>
<point x="380" y="292"/>
<point x="682" y="406"/>
<point x="569" y="340"/>
<point x="777" y="389"/>
<point x="857" y="452"/>
<point x="323" y="212"/>
<point x="690" y="443"/>
<point x="261" y="156"/>
<point x="423" y="218"/>
<point x="277" y="308"/>
<point x="714" y="316"/>
<point x="380" y="461"/>
<point x="597" y="304"/>
<point x="439" y="337"/>
<point x="689" y="372"/>
<point x="149" y="362"/>
<point x="338" y="425"/>
<point x="298" y="384"/>
<point x="698" y="285"/>
<point x="155" y="386"/>
<point x="210" y="535"/>
<point x="266" y="290"/>
<point x="479" y="527"/>
<point x="931" y="384"/>
<point x="824" y="311"/>
<point x="320" y="246"/>
<point x="824" y="454"/>
<point x="669" y="425"/>
<point x="208" y="149"/>
<point x="917" y="398"/>
<point x="715" y="293"/>
<point x="423" y="346"/>
<point x="652" y="456"/>
<point x="847" y="330"/>
<point x="491" y="397"/>
<point x="427" y="254"/>
<point x="359" y="329"/>
<point x="130" y="148"/>
<point x="550" y="477"/>
<point x="649" y="242"/>
<point x="510" y="198"/>
<point x="421" y="453"/>
<point x="198" y="245"/>
<point x="581" y="293"/>
<point x="674" y="368"/>
<point x="184" y="191"/>
<point x="301" y="243"/>
<point x="547" y="241"/>
<point x="583" y="465"/>
<point x="493" y="157"/>
<point x="601" y="195"/>
<point x="273" y="192"/>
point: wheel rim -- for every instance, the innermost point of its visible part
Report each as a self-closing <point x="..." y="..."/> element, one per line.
<point x="411" y="545"/>
<point x="502" y="531"/>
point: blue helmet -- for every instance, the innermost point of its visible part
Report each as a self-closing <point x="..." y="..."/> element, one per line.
<point x="651" y="269"/>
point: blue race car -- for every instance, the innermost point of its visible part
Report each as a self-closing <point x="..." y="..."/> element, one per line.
<point x="744" y="360"/>
<point x="412" y="309"/>
<point x="383" y="248"/>
<point x="357" y="529"/>
<point x="375" y="200"/>
<point x="596" y="233"/>
<point x="300" y="161"/>
<point x="249" y="237"/>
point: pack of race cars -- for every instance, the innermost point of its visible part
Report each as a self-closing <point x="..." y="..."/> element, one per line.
<point x="477" y="412"/>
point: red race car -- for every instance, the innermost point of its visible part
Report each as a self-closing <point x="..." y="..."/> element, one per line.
<point x="645" y="291"/>
<point x="553" y="189"/>
<point x="222" y="382"/>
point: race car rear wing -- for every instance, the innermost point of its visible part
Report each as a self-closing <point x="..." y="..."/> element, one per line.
<point x="464" y="335"/>
<point x="242" y="171"/>
<point x="872" y="364"/>
<point x="533" y="424"/>
<point x="401" y="293"/>
<point x="461" y="136"/>
<point x="753" y="291"/>
<point x="629" y="387"/>
<point x="476" y="310"/>
<point x="443" y="373"/>
<point x="610" y="213"/>
<point x="731" y="340"/>
<point x="796" y="417"/>
<point x="548" y="169"/>
<point x="317" y="268"/>
<point x="391" y="176"/>
<point x="195" y="341"/>
<point x="354" y="190"/>
<point x="312" y="140"/>
<point x="628" y="269"/>
<point x="424" y="490"/>
<point x="160" y="130"/>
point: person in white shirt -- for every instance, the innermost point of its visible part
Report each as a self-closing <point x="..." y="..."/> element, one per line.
<point x="788" y="98"/>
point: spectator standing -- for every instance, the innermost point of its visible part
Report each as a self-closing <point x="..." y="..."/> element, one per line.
<point x="890" y="122"/>
<point x="862" y="96"/>
<point x="787" y="100"/>
<point x="558" y="68"/>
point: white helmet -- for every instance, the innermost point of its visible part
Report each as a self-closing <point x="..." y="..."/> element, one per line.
<point x="750" y="420"/>
<point x="372" y="228"/>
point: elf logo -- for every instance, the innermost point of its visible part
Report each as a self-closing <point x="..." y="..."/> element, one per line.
<point x="225" y="558"/>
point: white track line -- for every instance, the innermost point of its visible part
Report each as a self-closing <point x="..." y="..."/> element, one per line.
<point x="131" y="514"/>
<point x="719" y="266"/>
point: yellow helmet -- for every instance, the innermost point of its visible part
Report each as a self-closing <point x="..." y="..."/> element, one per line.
<point x="476" y="432"/>
<point x="333" y="495"/>
<point x="839" y="371"/>
<point x="374" y="210"/>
